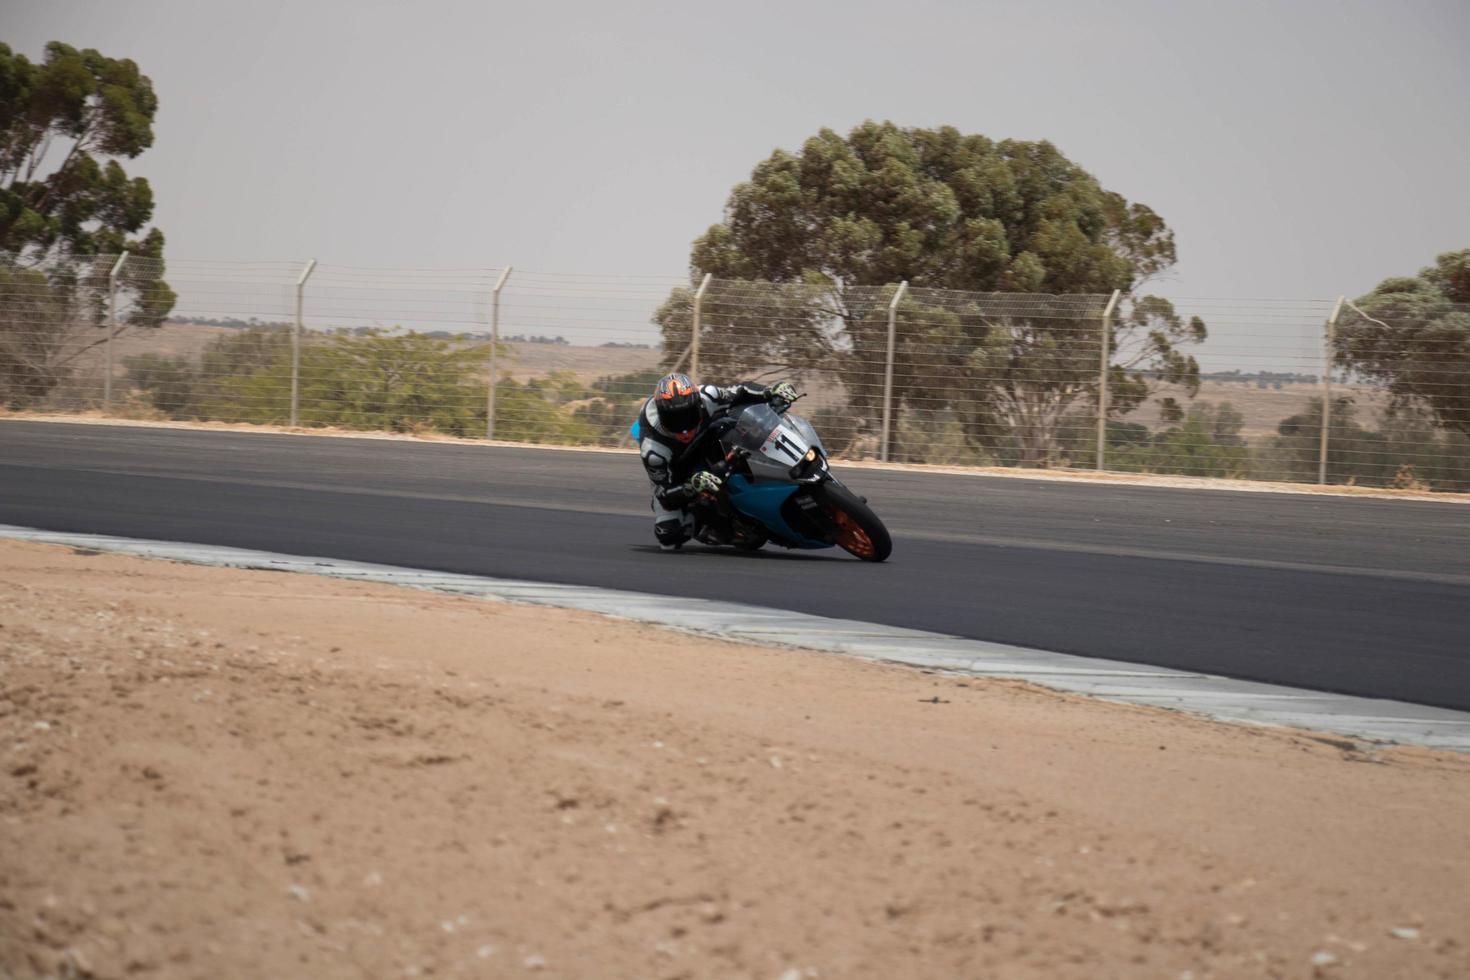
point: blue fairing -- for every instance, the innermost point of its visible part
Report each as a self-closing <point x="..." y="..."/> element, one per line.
<point x="763" y="501"/>
<point x="636" y="428"/>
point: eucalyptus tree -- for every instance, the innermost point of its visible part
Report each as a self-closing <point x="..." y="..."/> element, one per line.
<point x="1412" y="334"/>
<point x="837" y="223"/>
<point x="65" y="199"/>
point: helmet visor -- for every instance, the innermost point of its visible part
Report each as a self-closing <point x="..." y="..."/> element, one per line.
<point x="680" y="419"/>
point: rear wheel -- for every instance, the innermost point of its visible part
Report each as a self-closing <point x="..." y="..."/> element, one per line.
<point x="859" y="531"/>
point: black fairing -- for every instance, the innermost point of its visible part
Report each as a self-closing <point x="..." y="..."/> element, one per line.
<point x="804" y="513"/>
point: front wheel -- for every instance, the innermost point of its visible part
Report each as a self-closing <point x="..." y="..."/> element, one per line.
<point x="859" y="531"/>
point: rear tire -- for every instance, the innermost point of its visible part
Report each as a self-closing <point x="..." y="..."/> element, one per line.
<point x="859" y="531"/>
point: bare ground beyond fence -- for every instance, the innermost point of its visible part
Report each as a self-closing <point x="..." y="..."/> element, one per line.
<point x="924" y="376"/>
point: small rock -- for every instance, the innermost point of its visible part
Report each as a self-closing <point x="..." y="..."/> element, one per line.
<point x="775" y="762"/>
<point x="298" y="892"/>
<point x="372" y="880"/>
<point x="78" y="961"/>
<point x="486" y="951"/>
<point x="534" y="962"/>
<point x="1404" y="932"/>
<point x="1323" y="958"/>
<point x="45" y="726"/>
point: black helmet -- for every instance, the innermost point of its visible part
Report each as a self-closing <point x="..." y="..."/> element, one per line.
<point x="679" y="406"/>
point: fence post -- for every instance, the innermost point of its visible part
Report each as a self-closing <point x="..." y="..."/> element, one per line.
<point x="296" y="342"/>
<point x="1102" y="378"/>
<point x="494" y="344"/>
<point x="898" y="294"/>
<point x="694" y="327"/>
<point x="1330" y="335"/>
<point x="111" y="327"/>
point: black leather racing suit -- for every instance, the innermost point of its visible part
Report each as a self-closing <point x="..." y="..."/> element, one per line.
<point x="670" y="463"/>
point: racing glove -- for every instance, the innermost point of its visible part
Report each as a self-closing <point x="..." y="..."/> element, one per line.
<point x="704" y="482"/>
<point x="782" y="391"/>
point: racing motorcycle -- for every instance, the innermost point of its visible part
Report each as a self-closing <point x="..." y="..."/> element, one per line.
<point x="778" y="487"/>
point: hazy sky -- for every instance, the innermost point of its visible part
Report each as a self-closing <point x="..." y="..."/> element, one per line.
<point x="1299" y="149"/>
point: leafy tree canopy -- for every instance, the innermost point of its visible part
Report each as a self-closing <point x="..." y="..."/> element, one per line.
<point x="938" y="208"/>
<point x="63" y="123"/>
<point x="65" y="198"/>
<point x="1406" y="448"/>
<point x="948" y="212"/>
<point x="1413" y="334"/>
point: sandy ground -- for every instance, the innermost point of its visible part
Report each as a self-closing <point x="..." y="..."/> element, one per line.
<point x="208" y="773"/>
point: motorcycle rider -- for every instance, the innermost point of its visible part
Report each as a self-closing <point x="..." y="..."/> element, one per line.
<point x="669" y="427"/>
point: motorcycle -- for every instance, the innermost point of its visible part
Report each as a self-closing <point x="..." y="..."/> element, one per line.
<point x="778" y="487"/>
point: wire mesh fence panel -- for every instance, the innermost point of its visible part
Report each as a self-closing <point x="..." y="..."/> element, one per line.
<point x="1400" y="411"/>
<point x="398" y="350"/>
<point x="997" y="378"/>
<point x="223" y="354"/>
<point x="1229" y="388"/>
<point x="1260" y="367"/>
<point x="581" y="353"/>
<point x="59" y="323"/>
<point x="809" y="333"/>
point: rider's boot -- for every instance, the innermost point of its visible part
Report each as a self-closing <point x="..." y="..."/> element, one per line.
<point x="672" y="531"/>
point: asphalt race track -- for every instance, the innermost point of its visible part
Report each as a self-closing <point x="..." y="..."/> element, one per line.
<point x="1358" y="596"/>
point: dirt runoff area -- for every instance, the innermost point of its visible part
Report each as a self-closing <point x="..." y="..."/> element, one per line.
<point x="212" y="773"/>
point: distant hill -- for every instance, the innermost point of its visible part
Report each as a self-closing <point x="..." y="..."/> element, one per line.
<point x="1261" y="379"/>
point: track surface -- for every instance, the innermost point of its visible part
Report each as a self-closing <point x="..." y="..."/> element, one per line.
<point x="1365" y="597"/>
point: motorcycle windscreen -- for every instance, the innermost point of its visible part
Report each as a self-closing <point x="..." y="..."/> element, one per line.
<point x="754" y="423"/>
<point x="761" y="430"/>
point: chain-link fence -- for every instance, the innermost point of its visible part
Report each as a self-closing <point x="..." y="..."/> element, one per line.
<point x="1406" y="420"/>
<point x="57" y="321"/>
<point x="1240" y="389"/>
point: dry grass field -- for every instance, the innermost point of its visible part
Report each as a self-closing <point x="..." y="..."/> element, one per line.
<point x="587" y="364"/>
<point x="1262" y="408"/>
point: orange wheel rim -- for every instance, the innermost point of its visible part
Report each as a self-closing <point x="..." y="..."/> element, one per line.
<point x="851" y="537"/>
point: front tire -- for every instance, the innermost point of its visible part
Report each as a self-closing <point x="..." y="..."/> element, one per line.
<point x="859" y="531"/>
